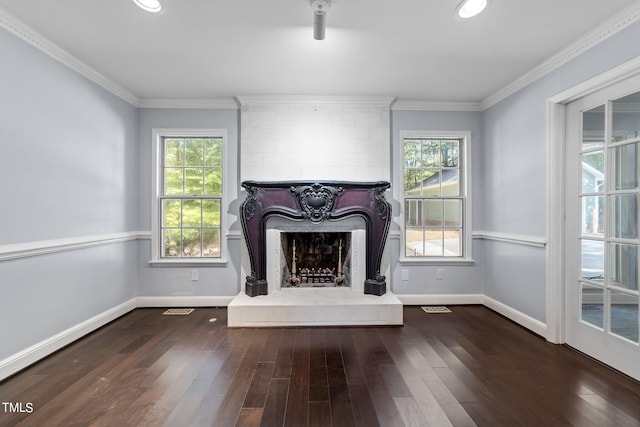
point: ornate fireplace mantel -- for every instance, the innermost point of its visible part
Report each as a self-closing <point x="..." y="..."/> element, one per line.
<point x="315" y="201"/>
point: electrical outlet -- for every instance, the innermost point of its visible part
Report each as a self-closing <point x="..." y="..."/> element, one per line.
<point x="439" y="274"/>
<point x="194" y="275"/>
<point x="405" y="275"/>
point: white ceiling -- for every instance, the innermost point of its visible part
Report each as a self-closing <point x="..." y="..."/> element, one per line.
<point x="407" y="49"/>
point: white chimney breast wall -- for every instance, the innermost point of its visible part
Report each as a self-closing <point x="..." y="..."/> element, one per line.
<point x="293" y="138"/>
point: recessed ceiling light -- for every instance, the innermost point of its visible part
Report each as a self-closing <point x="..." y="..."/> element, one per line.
<point x="469" y="8"/>
<point x="152" y="6"/>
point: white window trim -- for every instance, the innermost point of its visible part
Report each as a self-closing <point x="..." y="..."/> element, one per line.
<point x="156" y="192"/>
<point x="398" y="194"/>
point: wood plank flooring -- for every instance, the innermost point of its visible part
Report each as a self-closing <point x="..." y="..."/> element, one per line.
<point x="469" y="367"/>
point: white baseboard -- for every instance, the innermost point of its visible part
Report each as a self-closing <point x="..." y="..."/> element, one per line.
<point x="520" y="318"/>
<point x="30" y="355"/>
<point x="184" y="301"/>
<point x="440" y="299"/>
<point x="510" y="313"/>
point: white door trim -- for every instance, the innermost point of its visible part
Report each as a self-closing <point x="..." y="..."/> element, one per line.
<point x="556" y="147"/>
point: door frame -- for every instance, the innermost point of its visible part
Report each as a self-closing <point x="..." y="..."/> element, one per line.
<point x="556" y="212"/>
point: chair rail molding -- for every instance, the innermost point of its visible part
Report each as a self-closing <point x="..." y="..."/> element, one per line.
<point x="519" y="239"/>
<point x="30" y="249"/>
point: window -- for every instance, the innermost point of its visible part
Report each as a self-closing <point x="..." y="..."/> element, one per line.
<point x="435" y="194"/>
<point x="189" y="195"/>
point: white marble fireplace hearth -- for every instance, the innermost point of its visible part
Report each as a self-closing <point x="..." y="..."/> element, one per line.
<point x="314" y="307"/>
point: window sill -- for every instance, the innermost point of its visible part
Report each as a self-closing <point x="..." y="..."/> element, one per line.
<point x="436" y="261"/>
<point x="217" y="262"/>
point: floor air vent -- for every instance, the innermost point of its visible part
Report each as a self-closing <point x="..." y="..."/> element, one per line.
<point x="178" y="311"/>
<point x="436" y="309"/>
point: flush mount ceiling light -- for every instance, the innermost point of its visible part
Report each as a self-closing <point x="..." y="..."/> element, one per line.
<point x="152" y="6"/>
<point x="470" y="8"/>
<point x="319" y="8"/>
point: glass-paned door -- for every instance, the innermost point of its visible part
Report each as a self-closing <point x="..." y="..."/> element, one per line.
<point x="602" y="196"/>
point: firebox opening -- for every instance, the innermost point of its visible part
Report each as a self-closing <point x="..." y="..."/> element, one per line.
<point x="316" y="259"/>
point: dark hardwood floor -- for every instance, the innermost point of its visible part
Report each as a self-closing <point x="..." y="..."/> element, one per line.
<point x="468" y="367"/>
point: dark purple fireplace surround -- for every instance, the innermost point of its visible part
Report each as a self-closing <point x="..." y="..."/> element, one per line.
<point x="315" y="201"/>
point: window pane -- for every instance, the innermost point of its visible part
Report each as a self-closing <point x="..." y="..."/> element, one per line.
<point x="452" y="242"/>
<point x="433" y="218"/>
<point x="625" y="167"/>
<point x="191" y="242"/>
<point x="172" y="243"/>
<point x="174" y="152"/>
<point x="431" y="154"/>
<point x="453" y="213"/>
<point x="211" y="242"/>
<point x="624" y="315"/>
<point x="432" y="213"/>
<point x="450" y="182"/>
<point x="624" y="216"/>
<point x="193" y="181"/>
<point x="213" y="181"/>
<point x="211" y="213"/>
<point x="194" y="152"/>
<point x="213" y="152"/>
<point x="171" y="213"/>
<point x="412" y="154"/>
<point x="623" y="265"/>
<point x="412" y="212"/>
<point x="450" y="153"/>
<point x="592" y="305"/>
<point x="433" y="242"/>
<point x="593" y="127"/>
<point x="593" y="172"/>
<point x="191" y="168"/>
<point x="173" y="181"/>
<point x="412" y="181"/>
<point x="191" y="213"/>
<point x="592" y="215"/>
<point x="431" y="182"/>
<point x="626" y="117"/>
<point x="592" y="260"/>
<point x="414" y="241"/>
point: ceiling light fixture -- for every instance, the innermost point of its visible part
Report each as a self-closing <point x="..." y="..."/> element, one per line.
<point x="470" y="8"/>
<point x="319" y="8"/>
<point x="152" y="6"/>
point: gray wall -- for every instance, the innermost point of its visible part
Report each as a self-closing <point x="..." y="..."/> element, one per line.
<point x="155" y="281"/>
<point x="514" y="161"/>
<point x="458" y="279"/>
<point x="76" y="163"/>
<point x="67" y="170"/>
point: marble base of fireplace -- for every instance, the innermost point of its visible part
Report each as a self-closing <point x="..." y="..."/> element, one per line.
<point x="314" y="307"/>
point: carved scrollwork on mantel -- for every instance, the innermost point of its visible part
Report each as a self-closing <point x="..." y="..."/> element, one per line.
<point x="251" y="204"/>
<point x="315" y="201"/>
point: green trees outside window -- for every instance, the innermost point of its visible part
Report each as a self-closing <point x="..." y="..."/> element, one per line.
<point x="433" y="196"/>
<point x="191" y="201"/>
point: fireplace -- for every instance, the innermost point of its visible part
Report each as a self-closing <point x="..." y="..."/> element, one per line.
<point x="353" y="217"/>
<point x="315" y="260"/>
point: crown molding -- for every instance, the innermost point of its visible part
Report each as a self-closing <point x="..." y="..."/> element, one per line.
<point x="369" y="101"/>
<point x="221" y="103"/>
<point x="610" y="27"/>
<point x="26" y="33"/>
<point x="420" y="105"/>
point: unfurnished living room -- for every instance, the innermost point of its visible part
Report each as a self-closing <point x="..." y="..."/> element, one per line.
<point x="319" y="213"/>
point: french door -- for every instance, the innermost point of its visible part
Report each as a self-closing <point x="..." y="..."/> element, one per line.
<point x="602" y="197"/>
